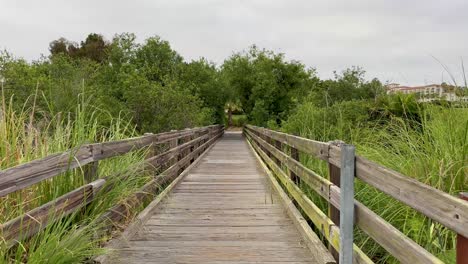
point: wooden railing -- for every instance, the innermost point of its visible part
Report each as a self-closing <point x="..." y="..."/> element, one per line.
<point x="170" y="153"/>
<point x="281" y="153"/>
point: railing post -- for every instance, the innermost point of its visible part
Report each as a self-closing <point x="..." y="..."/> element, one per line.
<point x="333" y="212"/>
<point x="90" y="171"/>
<point x="197" y="135"/>
<point x="278" y="146"/>
<point x="347" y="203"/>
<point x="152" y="148"/>
<point x="462" y="242"/>
<point x="295" y="156"/>
<point x="172" y="144"/>
<point x="193" y="147"/>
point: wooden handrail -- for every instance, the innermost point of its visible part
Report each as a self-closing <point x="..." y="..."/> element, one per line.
<point x="327" y="228"/>
<point x="375" y="226"/>
<point x="442" y="207"/>
<point x="30" y="223"/>
<point x="27" y="174"/>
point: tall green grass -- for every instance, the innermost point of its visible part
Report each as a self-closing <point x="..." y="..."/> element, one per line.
<point x="423" y="141"/>
<point x="34" y="133"/>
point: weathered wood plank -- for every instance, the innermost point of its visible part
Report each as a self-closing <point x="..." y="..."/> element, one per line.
<point x="320" y="220"/>
<point x="123" y="210"/>
<point x="406" y="250"/>
<point x="315" y="181"/>
<point x="442" y="207"/>
<point x="145" y="215"/>
<point x="173" y="152"/>
<point x="437" y="205"/>
<point x="37" y="219"/>
<point x="313" y="242"/>
<point x="25" y="175"/>
<point x="206" y="222"/>
<point x="90" y="172"/>
<point x="312" y="147"/>
<point x="30" y="223"/>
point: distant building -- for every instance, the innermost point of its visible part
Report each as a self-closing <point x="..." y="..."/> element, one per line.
<point x="427" y="93"/>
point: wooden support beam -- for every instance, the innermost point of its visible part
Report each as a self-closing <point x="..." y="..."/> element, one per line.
<point x="278" y="146"/>
<point x="442" y="207"/>
<point x="295" y="156"/>
<point x="334" y="175"/>
<point x="90" y="171"/>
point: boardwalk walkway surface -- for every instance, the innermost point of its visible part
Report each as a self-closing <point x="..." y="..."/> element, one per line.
<point x="223" y="211"/>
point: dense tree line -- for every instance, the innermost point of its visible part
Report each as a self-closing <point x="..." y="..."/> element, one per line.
<point x="150" y="82"/>
<point x="268" y="88"/>
<point x="159" y="90"/>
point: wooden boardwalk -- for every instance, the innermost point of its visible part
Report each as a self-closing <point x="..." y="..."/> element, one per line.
<point x="223" y="211"/>
<point x="233" y="204"/>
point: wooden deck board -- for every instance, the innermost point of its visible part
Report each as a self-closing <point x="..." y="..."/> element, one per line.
<point x="224" y="211"/>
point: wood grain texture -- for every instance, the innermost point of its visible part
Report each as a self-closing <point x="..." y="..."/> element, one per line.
<point x="389" y="237"/>
<point x="237" y="219"/>
<point x="321" y="254"/>
<point x="437" y="205"/>
<point x="25" y="175"/>
<point x="33" y="221"/>
<point x="328" y="229"/>
<point x="37" y="219"/>
<point x="315" y="148"/>
<point x="146" y="214"/>
<point x="442" y="207"/>
<point x="122" y="211"/>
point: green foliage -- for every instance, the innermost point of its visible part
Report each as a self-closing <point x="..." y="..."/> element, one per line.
<point x="93" y="48"/>
<point x="339" y="121"/>
<point x="101" y="90"/>
<point x="239" y="120"/>
<point x="425" y="142"/>
<point x="266" y="85"/>
<point x="149" y="81"/>
<point x="94" y="92"/>
<point x="347" y="86"/>
<point x="26" y="135"/>
<point x="156" y="61"/>
<point x="202" y="78"/>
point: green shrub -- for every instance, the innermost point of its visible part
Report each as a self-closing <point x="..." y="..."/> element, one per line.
<point x="238" y="120"/>
<point x="426" y="142"/>
<point x="23" y="138"/>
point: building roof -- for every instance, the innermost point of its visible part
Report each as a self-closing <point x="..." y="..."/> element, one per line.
<point x="414" y="87"/>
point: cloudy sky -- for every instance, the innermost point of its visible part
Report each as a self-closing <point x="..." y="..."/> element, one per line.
<point x="394" y="40"/>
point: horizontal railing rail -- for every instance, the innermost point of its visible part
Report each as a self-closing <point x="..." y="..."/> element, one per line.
<point x="444" y="208"/>
<point x="181" y="149"/>
<point x="27" y="174"/>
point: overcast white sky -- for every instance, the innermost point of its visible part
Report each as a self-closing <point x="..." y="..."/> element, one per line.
<point x="393" y="40"/>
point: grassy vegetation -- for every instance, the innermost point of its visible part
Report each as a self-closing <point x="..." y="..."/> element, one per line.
<point x="25" y="137"/>
<point x="98" y="91"/>
<point x="426" y="142"/>
<point x="94" y="91"/>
